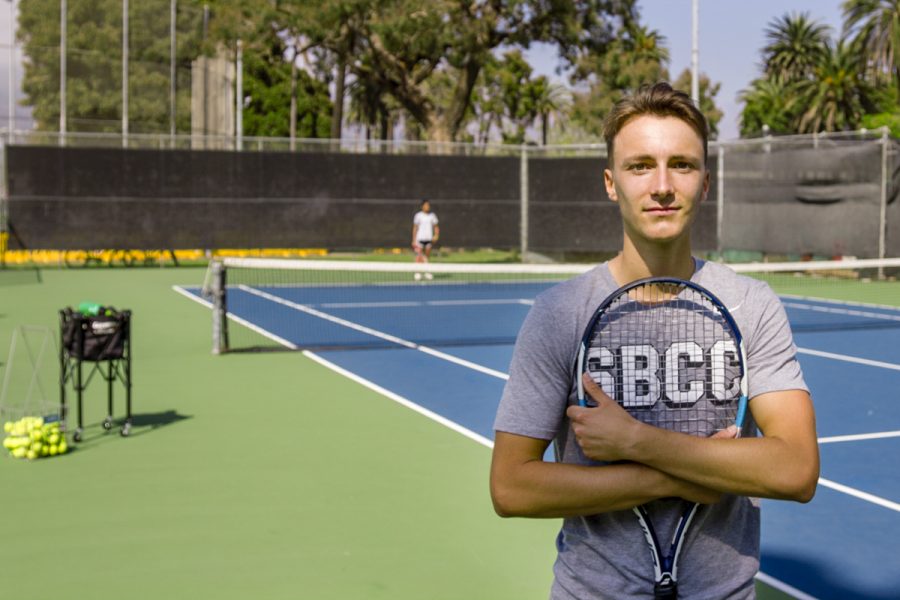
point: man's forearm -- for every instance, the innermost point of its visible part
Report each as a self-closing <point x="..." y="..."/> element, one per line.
<point x="523" y="485"/>
<point x="766" y="466"/>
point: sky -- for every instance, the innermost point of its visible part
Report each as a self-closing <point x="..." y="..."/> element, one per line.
<point x="732" y="33"/>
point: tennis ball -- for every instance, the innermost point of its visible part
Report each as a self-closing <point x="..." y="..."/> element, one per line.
<point x="31" y="455"/>
<point x="19" y="452"/>
<point x="53" y="438"/>
<point x="53" y="449"/>
<point x="45" y="450"/>
<point x="7" y="427"/>
<point x="62" y="447"/>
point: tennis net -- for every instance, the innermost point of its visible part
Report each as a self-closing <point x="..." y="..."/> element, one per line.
<point x="320" y="304"/>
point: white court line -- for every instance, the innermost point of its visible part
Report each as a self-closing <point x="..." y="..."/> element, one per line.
<point x="783" y="587"/>
<point x="839" y="487"/>
<point x="851" y="359"/>
<point x="843" y="311"/>
<point x="237" y="319"/>
<point x="859" y="437"/>
<point x="410" y="303"/>
<point x="401" y="400"/>
<point x="376" y="333"/>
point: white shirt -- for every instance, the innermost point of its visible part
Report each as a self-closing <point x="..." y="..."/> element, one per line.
<point x="425" y="222"/>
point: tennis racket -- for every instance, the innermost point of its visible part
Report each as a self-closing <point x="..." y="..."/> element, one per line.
<point x="670" y="353"/>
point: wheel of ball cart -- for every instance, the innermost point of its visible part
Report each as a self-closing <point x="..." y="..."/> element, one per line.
<point x="76" y="436"/>
<point x="126" y="429"/>
<point x="107" y="423"/>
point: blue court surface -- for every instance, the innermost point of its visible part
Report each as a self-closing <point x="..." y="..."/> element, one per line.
<point x="844" y="544"/>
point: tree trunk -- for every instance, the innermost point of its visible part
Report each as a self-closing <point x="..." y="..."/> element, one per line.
<point x="293" y="125"/>
<point x="337" y="112"/>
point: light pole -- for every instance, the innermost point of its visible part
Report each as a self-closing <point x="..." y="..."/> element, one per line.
<point x="12" y="65"/>
<point x="695" y="53"/>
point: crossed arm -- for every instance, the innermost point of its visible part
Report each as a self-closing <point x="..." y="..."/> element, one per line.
<point x="652" y="463"/>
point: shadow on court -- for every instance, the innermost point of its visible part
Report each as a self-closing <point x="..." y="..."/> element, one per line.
<point x="826" y="583"/>
<point x="141" y="424"/>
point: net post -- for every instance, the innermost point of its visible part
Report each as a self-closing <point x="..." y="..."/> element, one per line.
<point x="882" y="215"/>
<point x="220" y="307"/>
<point x="523" y="203"/>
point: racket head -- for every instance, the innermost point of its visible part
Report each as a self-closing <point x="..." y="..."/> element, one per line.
<point x="670" y="353"/>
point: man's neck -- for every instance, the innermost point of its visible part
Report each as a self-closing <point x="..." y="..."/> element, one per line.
<point x="670" y="260"/>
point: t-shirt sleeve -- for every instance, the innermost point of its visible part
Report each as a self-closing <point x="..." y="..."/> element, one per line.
<point x="540" y="376"/>
<point x="772" y="364"/>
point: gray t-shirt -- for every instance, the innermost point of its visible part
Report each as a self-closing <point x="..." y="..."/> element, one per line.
<point x="606" y="555"/>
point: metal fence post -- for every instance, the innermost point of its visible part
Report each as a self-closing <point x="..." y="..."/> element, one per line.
<point x="523" y="203"/>
<point x="882" y="216"/>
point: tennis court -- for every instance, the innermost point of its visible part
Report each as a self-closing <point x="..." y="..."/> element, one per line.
<point x="827" y="549"/>
<point x="362" y="472"/>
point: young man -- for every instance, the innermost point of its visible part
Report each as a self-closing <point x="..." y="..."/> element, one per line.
<point x="607" y="462"/>
<point x="425" y="234"/>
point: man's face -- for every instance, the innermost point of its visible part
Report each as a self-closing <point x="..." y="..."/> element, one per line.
<point x="426" y="207"/>
<point x="658" y="177"/>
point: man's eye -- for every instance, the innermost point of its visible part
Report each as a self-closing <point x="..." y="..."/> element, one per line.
<point x="639" y="167"/>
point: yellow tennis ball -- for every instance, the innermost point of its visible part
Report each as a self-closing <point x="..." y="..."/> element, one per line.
<point x="45" y="450"/>
<point x="62" y="447"/>
<point x="19" y="452"/>
<point x="53" y="438"/>
<point x="31" y="455"/>
<point x="53" y="449"/>
<point x="7" y="427"/>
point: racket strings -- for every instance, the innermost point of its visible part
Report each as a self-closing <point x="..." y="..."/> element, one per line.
<point x="668" y="356"/>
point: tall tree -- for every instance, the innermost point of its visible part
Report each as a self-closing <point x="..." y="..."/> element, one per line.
<point x="400" y="44"/>
<point x="94" y="55"/>
<point x="874" y="27"/>
<point x="796" y="46"/>
<point x="836" y="98"/>
<point x="636" y="57"/>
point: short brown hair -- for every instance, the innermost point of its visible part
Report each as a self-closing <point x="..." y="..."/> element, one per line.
<point x="659" y="100"/>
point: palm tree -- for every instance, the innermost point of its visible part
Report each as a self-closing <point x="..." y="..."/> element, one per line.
<point x="875" y="29"/>
<point x="549" y="98"/>
<point x="795" y="46"/>
<point x="836" y="97"/>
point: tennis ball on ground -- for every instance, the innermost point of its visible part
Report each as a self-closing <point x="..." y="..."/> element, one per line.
<point x="7" y="427"/>
<point x="31" y="455"/>
<point x="19" y="452"/>
<point x="53" y="438"/>
<point x="62" y="447"/>
<point x="53" y="449"/>
<point x="45" y="450"/>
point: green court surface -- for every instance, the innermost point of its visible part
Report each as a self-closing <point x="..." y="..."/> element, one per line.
<point x="254" y="475"/>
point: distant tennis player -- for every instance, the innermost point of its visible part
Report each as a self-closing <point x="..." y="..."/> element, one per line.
<point x="425" y="234"/>
<point x="607" y="461"/>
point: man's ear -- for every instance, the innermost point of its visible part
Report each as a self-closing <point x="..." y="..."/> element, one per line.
<point x="610" y="185"/>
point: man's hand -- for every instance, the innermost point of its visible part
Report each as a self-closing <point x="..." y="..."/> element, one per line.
<point x="607" y="432"/>
<point x="604" y="432"/>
